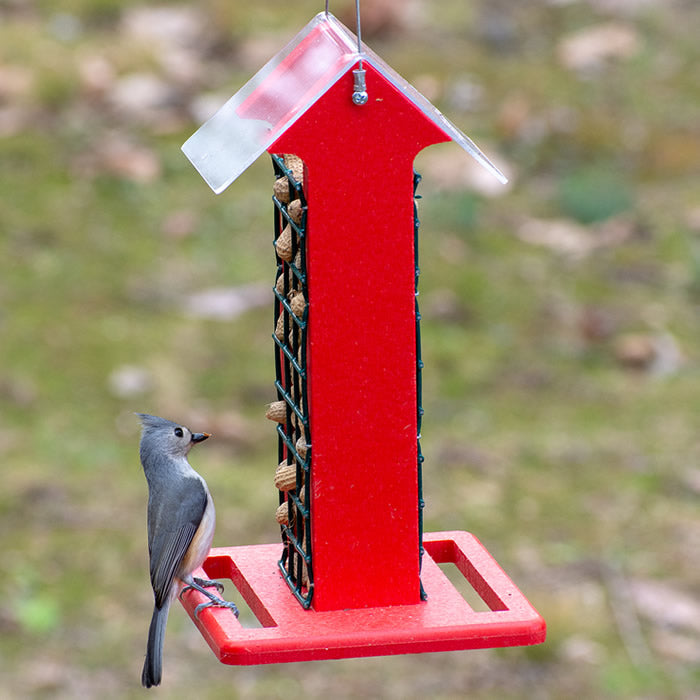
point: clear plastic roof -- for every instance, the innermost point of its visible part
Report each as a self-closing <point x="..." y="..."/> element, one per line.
<point x="277" y="95"/>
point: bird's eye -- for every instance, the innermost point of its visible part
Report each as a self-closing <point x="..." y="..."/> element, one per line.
<point x="178" y="432"/>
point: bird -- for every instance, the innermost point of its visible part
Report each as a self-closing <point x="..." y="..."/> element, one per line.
<point x="181" y="521"/>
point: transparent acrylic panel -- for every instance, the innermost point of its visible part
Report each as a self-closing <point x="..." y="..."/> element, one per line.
<point x="226" y="145"/>
<point x="270" y="102"/>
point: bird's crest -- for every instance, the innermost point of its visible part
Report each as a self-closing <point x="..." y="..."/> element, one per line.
<point x="149" y="421"/>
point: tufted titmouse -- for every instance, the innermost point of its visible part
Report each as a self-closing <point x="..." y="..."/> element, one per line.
<point x="181" y="522"/>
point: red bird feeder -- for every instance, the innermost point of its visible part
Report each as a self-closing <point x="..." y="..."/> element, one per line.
<point x="355" y="574"/>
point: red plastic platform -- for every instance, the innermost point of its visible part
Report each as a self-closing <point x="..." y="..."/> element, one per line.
<point x="444" y="622"/>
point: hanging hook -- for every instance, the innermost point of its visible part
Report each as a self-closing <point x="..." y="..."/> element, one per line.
<point x="326" y="8"/>
<point x="359" y="95"/>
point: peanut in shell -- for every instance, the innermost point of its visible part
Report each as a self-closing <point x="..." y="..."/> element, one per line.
<point x="297" y="303"/>
<point x="277" y="411"/>
<point x="286" y="477"/>
<point x="281" y="189"/>
<point x="295" y="211"/>
<point x="283" y="244"/>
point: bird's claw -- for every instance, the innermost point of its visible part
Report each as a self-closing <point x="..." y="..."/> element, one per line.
<point x="206" y="583"/>
<point x="218" y="604"/>
<point x="202" y="583"/>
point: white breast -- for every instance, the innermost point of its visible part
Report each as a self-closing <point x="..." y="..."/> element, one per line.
<point x="201" y="543"/>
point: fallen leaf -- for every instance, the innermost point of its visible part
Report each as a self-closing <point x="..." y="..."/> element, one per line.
<point x="683" y="647"/>
<point x="589" y="49"/>
<point x="572" y="239"/>
<point x="180" y="224"/>
<point x="658" y="354"/>
<point x="627" y="7"/>
<point x="560" y="235"/>
<point x="146" y="99"/>
<point x="451" y="169"/>
<point x="118" y="156"/>
<point x="666" y="605"/>
<point x="97" y="75"/>
<point x="130" y="380"/>
<point x="382" y="17"/>
<point x="226" y="303"/>
<point x="15" y="82"/>
<point x="166" y="25"/>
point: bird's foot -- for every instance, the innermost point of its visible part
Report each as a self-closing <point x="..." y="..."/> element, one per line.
<point x="200" y="584"/>
<point x="206" y="583"/>
<point x="216" y="603"/>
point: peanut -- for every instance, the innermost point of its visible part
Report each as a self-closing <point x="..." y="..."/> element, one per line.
<point x="277" y="411"/>
<point x="281" y="189"/>
<point x="296" y="165"/>
<point x="286" y="477"/>
<point x="295" y="211"/>
<point x="283" y="244"/>
<point x="282" y="514"/>
<point x="279" y="328"/>
<point x="297" y="303"/>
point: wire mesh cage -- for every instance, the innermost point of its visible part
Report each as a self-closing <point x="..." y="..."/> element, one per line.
<point x="419" y="382"/>
<point x="290" y="411"/>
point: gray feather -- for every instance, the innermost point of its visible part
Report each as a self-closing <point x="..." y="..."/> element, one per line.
<point x="153" y="665"/>
<point x="172" y="530"/>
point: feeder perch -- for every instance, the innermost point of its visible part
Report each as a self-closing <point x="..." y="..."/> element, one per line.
<point x="355" y="574"/>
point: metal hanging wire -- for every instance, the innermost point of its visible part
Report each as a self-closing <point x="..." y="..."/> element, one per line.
<point x="359" y="88"/>
<point x="359" y="94"/>
<point x="359" y="27"/>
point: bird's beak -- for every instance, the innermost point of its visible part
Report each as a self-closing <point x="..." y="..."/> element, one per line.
<point x="200" y="437"/>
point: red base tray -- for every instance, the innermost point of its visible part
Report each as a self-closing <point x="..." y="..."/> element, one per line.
<point x="444" y="622"/>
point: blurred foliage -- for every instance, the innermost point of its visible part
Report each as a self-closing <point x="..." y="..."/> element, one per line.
<point x="560" y="332"/>
<point x="594" y="194"/>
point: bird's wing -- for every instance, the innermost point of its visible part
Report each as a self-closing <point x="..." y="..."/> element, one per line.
<point x="172" y="533"/>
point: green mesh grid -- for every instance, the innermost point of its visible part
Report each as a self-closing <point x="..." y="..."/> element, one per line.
<point x="291" y="384"/>
<point x="419" y="379"/>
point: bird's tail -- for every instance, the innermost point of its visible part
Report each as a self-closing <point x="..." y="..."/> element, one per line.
<point x="153" y="666"/>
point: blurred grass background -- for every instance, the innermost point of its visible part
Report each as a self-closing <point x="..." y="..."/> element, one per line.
<point x="560" y="333"/>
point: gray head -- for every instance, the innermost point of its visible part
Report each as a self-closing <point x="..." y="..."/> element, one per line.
<point x="163" y="437"/>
